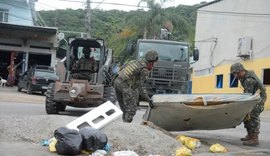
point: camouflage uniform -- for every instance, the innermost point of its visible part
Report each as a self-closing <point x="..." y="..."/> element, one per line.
<point x="251" y="84"/>
<point x="129" y="85"/>
<point x="87" y="64"/>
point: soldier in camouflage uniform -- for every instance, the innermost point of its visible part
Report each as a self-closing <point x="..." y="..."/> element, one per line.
<point x="129" y="82"/>
<point x="88" y="63"/>
<point x="251" y="84"/>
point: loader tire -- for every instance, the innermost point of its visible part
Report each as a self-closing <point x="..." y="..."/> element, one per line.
<point x="61" y="107"/>
<point x="109" y="94"/>
<point x="50" y="105"/>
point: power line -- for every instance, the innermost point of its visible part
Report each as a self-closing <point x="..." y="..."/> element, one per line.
<point x="99" y="4"/>
<point x="72" y="1"/>
<point x="232" y="13"/>
<point x="120" y="4"/>
<point x="47" y="5"/>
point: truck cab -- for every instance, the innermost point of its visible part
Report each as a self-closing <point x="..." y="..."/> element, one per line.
<point x="171" y="73"/>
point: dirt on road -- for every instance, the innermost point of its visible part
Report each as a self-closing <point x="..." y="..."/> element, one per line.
<point x="20" y="137"/>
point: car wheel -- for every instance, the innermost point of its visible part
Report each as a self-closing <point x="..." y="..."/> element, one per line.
<point x="109" y="94"/>
<point x="29" y="89"/>
<point x="50" y="105"/>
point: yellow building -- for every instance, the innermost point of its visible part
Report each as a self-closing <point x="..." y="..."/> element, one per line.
<point x="229" y="31"/>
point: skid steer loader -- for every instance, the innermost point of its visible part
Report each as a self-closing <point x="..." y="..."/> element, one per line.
<point x="81" y="87"/>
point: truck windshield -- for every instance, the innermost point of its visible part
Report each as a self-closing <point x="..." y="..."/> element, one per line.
<point x="166" y="52"/>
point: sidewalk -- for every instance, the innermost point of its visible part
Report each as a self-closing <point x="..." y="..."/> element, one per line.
<point x="10" y="94"/>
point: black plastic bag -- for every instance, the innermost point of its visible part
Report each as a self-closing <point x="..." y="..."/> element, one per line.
<point x="69" y="141"/>
<point x="93" y="139"/>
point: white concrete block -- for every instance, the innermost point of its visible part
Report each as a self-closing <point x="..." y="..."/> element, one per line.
<point x="97" y="117"/>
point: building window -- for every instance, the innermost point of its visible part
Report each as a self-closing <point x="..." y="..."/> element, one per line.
<point x="219" y="83"/>
<point x="266" y="76"/>
<point x="233" y="81"/>
<point x="3" y="15"/>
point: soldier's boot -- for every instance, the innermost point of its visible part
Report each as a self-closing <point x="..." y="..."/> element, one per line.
<point x="247" y="137"/>
<point x="253" y="141"/>
<point x="127" y="118"/>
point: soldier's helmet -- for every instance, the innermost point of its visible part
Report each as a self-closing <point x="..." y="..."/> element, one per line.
<point x="86" y="50"/>
<point x="151" y="56"/>
<point x="237" y="67"/>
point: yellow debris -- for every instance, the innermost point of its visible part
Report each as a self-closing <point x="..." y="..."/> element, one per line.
<point x="85" y="152"/>
<point x="183" y="151"/>
<point x="52" y="144"/>
<point x="189" y="142"/>
<point x="217" y="148"/>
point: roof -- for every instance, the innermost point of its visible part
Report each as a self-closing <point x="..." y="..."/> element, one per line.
<point x="50" y="30"/>
<point x="161" y="41"/>
<point x="207" y="4"/>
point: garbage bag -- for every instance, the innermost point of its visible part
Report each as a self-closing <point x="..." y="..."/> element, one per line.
<point x="93" y="139"/>
<point x="69" y="141"/>
<point x="217" y="148"/>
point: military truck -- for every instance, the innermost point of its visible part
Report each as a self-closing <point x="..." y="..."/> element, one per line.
<point x="171" y="73"/>
<point x="81" y="92"/>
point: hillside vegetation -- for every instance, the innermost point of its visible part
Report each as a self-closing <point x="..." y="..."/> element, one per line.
<point x="118" y="28"/>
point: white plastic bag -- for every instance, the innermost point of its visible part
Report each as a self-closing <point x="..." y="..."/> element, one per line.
<point x="125" y="153"/>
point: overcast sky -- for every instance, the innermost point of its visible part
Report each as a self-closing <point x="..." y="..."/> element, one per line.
<point x="75" y="4"/>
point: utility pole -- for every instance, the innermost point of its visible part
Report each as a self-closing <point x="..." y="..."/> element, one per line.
<point x="88" y="19"/>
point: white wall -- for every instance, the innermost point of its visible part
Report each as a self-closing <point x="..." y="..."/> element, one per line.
<point x="227" y="21"/>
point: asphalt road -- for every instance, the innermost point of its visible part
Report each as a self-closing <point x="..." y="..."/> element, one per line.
<point x="226" y="137"/>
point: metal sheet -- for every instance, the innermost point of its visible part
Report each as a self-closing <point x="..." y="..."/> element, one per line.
<point x="200" y="111"/>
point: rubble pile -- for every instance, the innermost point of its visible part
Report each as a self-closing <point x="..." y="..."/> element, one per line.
<point x="121" y="136"/>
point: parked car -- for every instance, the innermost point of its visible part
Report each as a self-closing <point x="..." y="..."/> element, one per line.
<point x="37" y="79"/>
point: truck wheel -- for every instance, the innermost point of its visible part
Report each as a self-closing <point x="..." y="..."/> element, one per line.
<point x="109" y="94"/>
<point x="51" y="106"/>
<point x="29" y="89"/>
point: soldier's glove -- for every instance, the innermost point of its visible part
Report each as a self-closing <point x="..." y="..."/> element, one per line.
<point x="151" y="104"/>
<point x="247" y="117"/>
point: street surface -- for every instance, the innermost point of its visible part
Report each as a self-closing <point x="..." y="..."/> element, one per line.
<point x="13" y="102"/>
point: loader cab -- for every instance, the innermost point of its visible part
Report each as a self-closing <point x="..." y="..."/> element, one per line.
<point x="77" y="52"/>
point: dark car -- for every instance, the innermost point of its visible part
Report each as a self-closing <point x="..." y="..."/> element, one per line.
<point x="37" y="79"/>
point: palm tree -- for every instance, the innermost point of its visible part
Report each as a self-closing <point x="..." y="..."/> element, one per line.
<point x="156" y="18"/>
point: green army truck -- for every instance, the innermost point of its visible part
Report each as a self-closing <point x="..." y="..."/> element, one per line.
<point x="171" y="73"/>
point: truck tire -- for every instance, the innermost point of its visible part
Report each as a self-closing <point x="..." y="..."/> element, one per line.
<point x="109" y="94"/>
<point x="50" y="105"/>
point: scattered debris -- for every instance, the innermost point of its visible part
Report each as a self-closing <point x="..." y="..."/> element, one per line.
<point x="217" y="148"/>
<point x="189" y="142"/>
<point x="183" y="151"/>
<point x="125" y="153"/>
